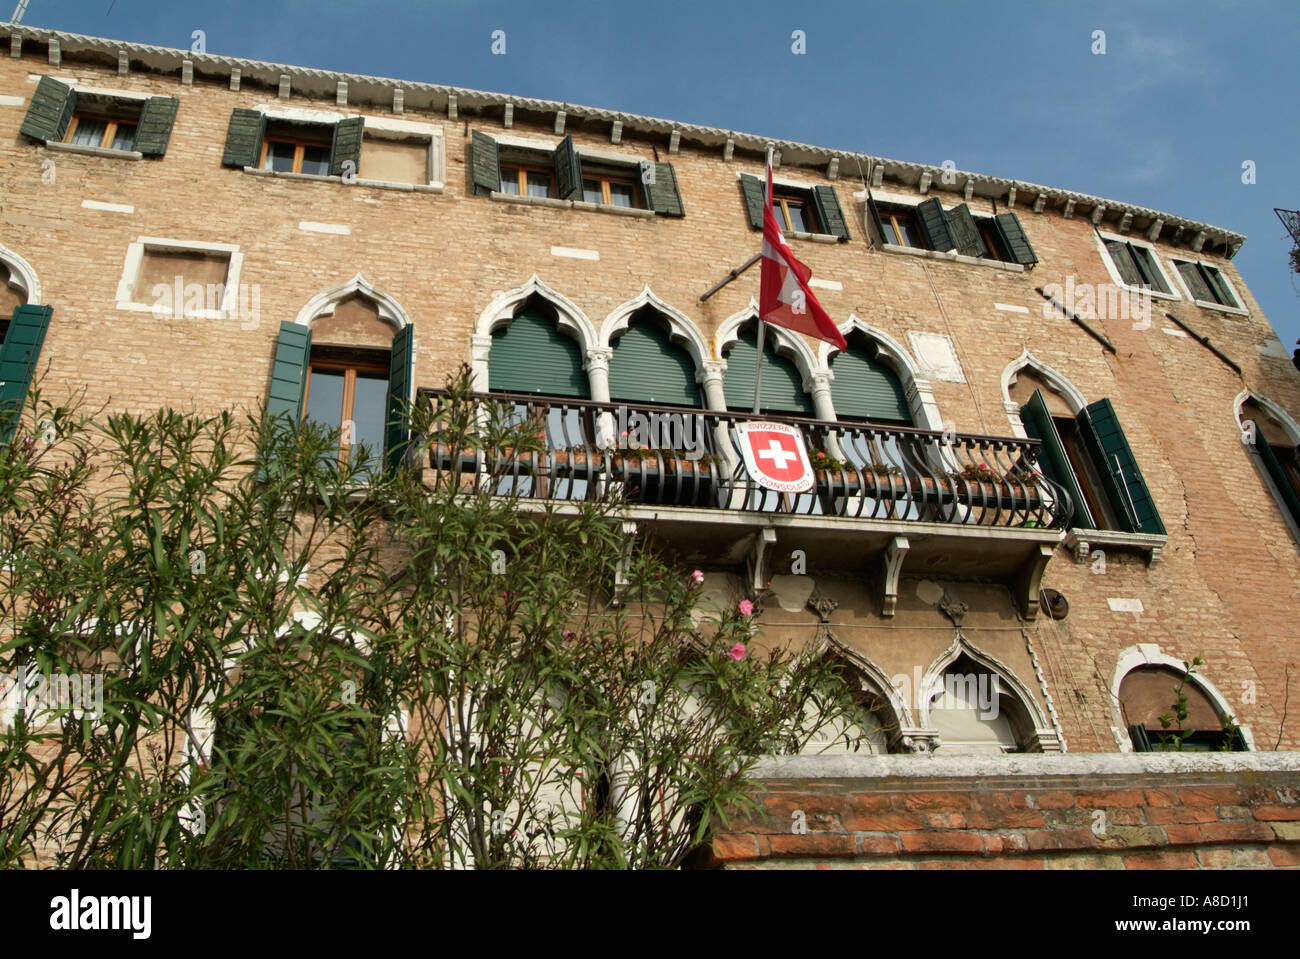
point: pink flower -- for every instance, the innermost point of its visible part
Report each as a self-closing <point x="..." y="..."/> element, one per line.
<point x="737" y="652"/>
<point x="697" y="577"/>
<point x="746" y="608"/>
<point x="568" y="634"/>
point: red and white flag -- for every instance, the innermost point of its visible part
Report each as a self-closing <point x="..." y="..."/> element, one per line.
<point x="784" y="297"/>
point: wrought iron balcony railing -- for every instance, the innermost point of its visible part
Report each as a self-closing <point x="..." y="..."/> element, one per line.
<point x="675" y="456"/>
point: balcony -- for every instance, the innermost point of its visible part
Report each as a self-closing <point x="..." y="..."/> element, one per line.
<point x="948" y="504"/>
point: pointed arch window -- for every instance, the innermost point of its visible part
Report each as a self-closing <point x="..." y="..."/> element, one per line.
<point x="647" y="367"/>
<point x="1278" y="454"/>
<point x="865" y="387"/>
<point x="782" y="386"/>
<point x="1149" y="693"/>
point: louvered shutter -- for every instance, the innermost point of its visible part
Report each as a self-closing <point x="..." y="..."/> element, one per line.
<point x="155" y="128"/>
<point x="783" y="390"/>
<point x="1220" y="285"/>
<point x="1123" y="260"/>
<point x="18" y="357"/>
<point x="289" y="373"/>
<point x="874" y="212"/>
<point x="662" y="196"/>
<point x="531" y="355"/>
<point x="1114" y="459"/>
<point x="1276" y="472"/>
<point x="1054" y="461"/>
<point x="568" y="171"/>
<point x="648" y="368"/>
<point x="485" y="162"/>
<point x="1013" y="237"/>
<point x="50" y="111"/>
<point x="934" y="225"/>
<point x="401" y="361"/>
<point x="829" y="213"/>
<point x="965" y="234"/>
<point x="863" y="388"/>
<point x="244" y="138"/>
<point x="346" y="147"/>
<point x="1195" y="282"/>
<point x="751" y="187"/>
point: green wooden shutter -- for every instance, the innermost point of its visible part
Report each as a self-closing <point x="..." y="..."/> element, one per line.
<point x="1013" y="237"/>
<point x="289" y="372"/>
<point x="648" y="368"/>
<point x="829" y="213"/>
<point x="1123" y="260"/>
<point x="751" y="188"/>
<point x="155" y="128"/>
<point x="864" y="388"/>
<point x="18" y="356"/>
<point x="347" y="145"/>
<point x="965" y="234"/>
<point x="50" y="111"/>
<point x="244" y="138"/>
<point x="934" y="225"/>
<point x="485" y="162"/>
<point x="1195" y="282"/>
<point x="1220" y="286"/>
<point x="663" y="196"/>
<point x="1275" y="471"/>
<point x="568" y="170"/>
<point x="783" y="390"/>
<point x="1145" y="261"/>
<point x="531" y="355"/>
<point x="1055" y="462"/>
<point x="875" y="218"/>
<point x="400" y="374"/>
<point x="1137" y="733"/>
<point x="1120" y="474"/>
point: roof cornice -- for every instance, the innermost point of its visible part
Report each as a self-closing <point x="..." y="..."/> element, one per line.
<point x="439" y="98"/>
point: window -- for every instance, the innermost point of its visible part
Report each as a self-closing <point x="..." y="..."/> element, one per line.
<point x="1089" y="456"/>
<point x="970" y="711"/>
<point x="1206" y="284"/>
<point x="783" y="390"/>
<point x="179" y="278"/>
<point x="292" y="146"/>
<point x="813" y="210"/>
<point x="928" y="226"/>
<point x="899" y="227"/>
<point x="99" y="120"/>
<point x="1277" y="453"/>
<point x="1149" y="693"/>
<point x="22" y="333"/>
<point x="347" y="390"/>
<point x="1134" y="265"/>
<point x="512" y="166"/>
<point x="295" y="154"/>
<point x="397" y="160"/>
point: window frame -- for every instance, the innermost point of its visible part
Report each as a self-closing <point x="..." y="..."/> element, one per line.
<point x="605" y="179"/>
<point x="350" y="366"/>
<point x="300" y="145"/>
<point x="521" y="169"/>
<point x="1113" y="269"/>
<point x="111" y="124"/>
<point x="1202" y="265"/>
<point x="428" y="136"/>
<point x="131" y="268"/>
<point x="781" y="200"/>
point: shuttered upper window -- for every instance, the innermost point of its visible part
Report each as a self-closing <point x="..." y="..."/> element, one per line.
<point x="93" y="119"/>
<point x="502" y="167"/>
<point x="1135" y="265"/>
<point x="1207" y="285"/>
<point x="782" y="385"/>
<point x="292" y="146"/>
<point x="813" y="210"/>
<point x="928" y="226"/>
<point x="1278" y="455"/>
<point x="864" y="387"/>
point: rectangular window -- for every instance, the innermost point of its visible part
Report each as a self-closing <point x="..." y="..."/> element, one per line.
<point x="1136" y="265"/>
<point x="396" y="161"/>
<point x="178" y="278"/>
<point x="901" y="227"/>
<point x="109" y="133"/>
<point x="519" y="180"/>
<point x="296" y="155"/>
<point x="793" y="212"/>
<point x="1206" y="284"/>
<point x="607" y="190"/>
<point x="347" y="390"/>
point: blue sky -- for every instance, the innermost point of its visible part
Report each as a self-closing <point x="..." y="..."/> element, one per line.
<point x="1184" y="95"/>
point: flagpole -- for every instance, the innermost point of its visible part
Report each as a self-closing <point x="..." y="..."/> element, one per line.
<point x="762" y="327"/>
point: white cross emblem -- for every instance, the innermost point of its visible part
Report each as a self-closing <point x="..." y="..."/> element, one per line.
<point x="778" y="454"/>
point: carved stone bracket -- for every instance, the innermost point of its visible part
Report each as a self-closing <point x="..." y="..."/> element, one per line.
<point x="920" y="741"/>
<point x="1029" y="581"/>
<point x="895" y="553"/>
<point x="621" y="581"/>
<point x="754" y="562"/>
<point x="953" y="608"/>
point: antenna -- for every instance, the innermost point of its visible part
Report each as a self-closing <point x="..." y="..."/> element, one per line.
<point x="19" y="11"/>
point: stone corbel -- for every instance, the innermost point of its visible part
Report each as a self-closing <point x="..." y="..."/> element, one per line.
<point x="616" y="132"/>
<point x="833" y="169"/>
<point x="926" y="179"/>
<point x="508" y="120"/>
<point x="1098" y="213"/>
<point x="970" y="188"/>
<point x="621" y="581"/>
<point x="1040" y="203"/>
<point x="560" y="116"/>
<point x="1198" y="241"/>
<point x="895" y="553"/>
<point x="920" y="741"/>
<point x="1125" y="222"/>
<point x="728" y="150"/>
<point x="674" y="141"/>
<point x="1011" y="197"/>
<point x="1081" y="549"/>
<point x="757" y="553"/>
<point x="1069" y="209"/>
<point x="1153" y="231"/>
<point x="1029" y="580"/>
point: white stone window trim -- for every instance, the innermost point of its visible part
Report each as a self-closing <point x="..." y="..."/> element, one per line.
<point x="1100" y="237"/>
<point x="126" y="287"/>
<point x="950" y="256"/>
<point x="806" y="187"/>
<point x="86" y="150"/>
<point x="954" y="257"/>
<point x="1208" y="304"/>
<point x="404" y="130"/>
<point x="1292" y="429"/>
<point x="21" y="276"/>
<point x="1149" y="654"/>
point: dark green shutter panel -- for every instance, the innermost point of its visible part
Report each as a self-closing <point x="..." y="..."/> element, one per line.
<point x="648" y="368"/>
<point x="568" y="171"/>
<point x="1221" y="287"/>
<point x="864" y="388"/>
<point x="1054" y="461"/>
<point x="1146" y="264"/>
<point x="244" y="138"/>
<point x="485" y="162"/>
<point x="400" y="373"/>
<point x="875" y="218"/>
<point x="829" y="213"/>
<point x="289" y="372"/>
<point x="783" y="390"/>
<point x="531" y="355"/>
<point x="18" y="356"/>
<point x="1277" y="473"/>
<point x="663" y="196"/>
<point x="965" y="234"/>
<point x="347" y="145"/>
<point x="1141" y="741"/>
<point x="155" y="129"/>
<point x="1118" y="468"/>
<point x="1195" y="282"/>
<point x="751" y="187"/>
<point x="934" y="225"/>
<point x="1013" y="237"/>
<point x="50" y="111"/>
<point x="1123" y="260"/>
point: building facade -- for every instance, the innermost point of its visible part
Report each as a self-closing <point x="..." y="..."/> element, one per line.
<point x="1056" y="461"/>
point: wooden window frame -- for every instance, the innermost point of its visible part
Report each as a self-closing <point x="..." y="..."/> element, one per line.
<point x="781" y="201"/>
<point x="521" y="171"/>
<point x="300" y="145"/>
<point x="988" y="231"/>
<point x="349" y="366"/>
<point x="890" y="215"/>
<point x="606" y="195"/>
<point x="111" y="123"/>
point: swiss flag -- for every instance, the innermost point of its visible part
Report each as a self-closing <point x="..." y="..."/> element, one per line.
<point x="784" y="297"/>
